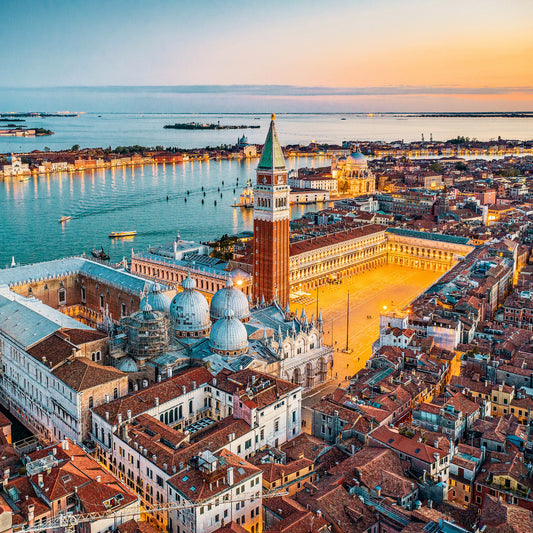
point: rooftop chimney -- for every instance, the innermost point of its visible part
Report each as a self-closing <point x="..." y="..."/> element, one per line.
<point x="107" y="398"/>
<point x="229" y="476"/>
<point x="156" y="401"/>
<point x="64" y="444"/>
<point x="40" y="481"/>
<point x="107" y="415"/>
<point x="98" y="479"/>
<point x="129" y="414"/>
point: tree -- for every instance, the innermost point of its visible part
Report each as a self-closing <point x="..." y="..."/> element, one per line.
<point x="75" y="147"/>
<point x="460" y="166"/>
<point x="436" y="167"/>
<point x="46" y="149"/>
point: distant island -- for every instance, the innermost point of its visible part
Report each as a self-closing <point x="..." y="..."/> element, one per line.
<point x="24" y="132"/>
<point x="36" y="114"/>
<point x="203" y="126"/>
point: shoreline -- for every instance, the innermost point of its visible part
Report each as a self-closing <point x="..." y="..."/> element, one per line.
<point x="46" y="163"/>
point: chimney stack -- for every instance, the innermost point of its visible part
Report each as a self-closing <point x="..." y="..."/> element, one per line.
<point x="229" y="476"/>
<point x="31" y="515"/>
<point x="64" y="444"/>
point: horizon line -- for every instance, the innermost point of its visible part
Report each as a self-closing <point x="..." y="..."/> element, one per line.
<point x="295" y="90"/>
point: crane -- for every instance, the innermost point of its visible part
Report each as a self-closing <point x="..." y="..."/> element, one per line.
<point x="69" y="521"/>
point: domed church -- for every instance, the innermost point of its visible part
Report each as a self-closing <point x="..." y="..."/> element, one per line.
<point x="227" y="334"/>
<point x="353" y="175"/>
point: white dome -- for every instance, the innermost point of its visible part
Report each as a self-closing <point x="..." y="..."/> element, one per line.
<point x="157" y="299"/>
<point x="228" y="336"/>
<point x="230" y="297"/>
<point x="189" y="309"/>
<point x="357" y="158"/>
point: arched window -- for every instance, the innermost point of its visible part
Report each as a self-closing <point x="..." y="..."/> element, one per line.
<point x="115" y="393"/>
<point x="91" y="402"/>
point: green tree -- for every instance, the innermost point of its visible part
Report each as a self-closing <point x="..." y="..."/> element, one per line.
<point x="75" y="147"/>
<point x="436" y="167"/>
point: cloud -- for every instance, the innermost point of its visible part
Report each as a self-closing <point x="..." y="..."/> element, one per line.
<point x="293" y="90"/>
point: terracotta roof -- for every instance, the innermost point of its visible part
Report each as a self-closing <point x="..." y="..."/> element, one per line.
<point x="52" y="350"/>
<point x="500" y="517"/>
<point x="407" y="446"/>
<point x="293" y="518"/>
<point x="83" y="336"/>
<point x="143" y="400"/>
<point x="345" y="513"/>
<point x="232" y="527"/>
<point x="80" y="373"/>
<point x="256" y="389"/>
<point x="304" y="445"/>
<point x="132" y="526"/>
<point x="376" y="467"/>
<point x="192" y="484"/>
<point x="274" y="471"/>
<point x="77" y="472"/>
<point x="300" y="247"/>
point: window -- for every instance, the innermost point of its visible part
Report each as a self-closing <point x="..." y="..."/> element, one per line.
<point x="248" y="444"/>
<point x="123" y="309"/>
<point x="62" y="296"/>
<point x="276" y="425"/>
<point x="115" y="393"/>
<point x="102" y="301"/>
<point x="91" y="402"/>
<point x="83" y="294"/>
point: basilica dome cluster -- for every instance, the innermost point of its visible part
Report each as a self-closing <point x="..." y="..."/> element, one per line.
<point x="165" y="335"/>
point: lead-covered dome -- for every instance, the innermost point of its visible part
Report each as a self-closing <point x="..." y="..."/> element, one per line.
<point x="230" y="297"/>
<point x="190" y="311"/>
<point x="357" y="158"/>
<point x="228" y="336"/>
<point x="157" y="299"/>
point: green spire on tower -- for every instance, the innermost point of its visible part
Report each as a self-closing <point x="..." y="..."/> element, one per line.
<point x="272" y="155"/>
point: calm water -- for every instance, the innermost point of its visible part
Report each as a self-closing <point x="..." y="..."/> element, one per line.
<point x="103" y="201"/>
<point x="124" y="200"/>
<point x="107" y="129"/>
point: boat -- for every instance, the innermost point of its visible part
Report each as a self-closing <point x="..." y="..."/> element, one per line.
<point x="64" y="219"/>
<point x="100" y="254"/>
<point x="116" y="234"/>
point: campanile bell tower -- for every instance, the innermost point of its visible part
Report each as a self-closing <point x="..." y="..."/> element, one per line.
<point x="271" y="223"/>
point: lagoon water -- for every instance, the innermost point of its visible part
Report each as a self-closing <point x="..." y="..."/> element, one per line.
<point x="126" y="199"/>
<point x="146" y="129"/>
<point x="135" y="199"/>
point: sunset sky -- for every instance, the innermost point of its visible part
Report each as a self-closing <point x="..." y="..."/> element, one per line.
<point x="448" y="54"/>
